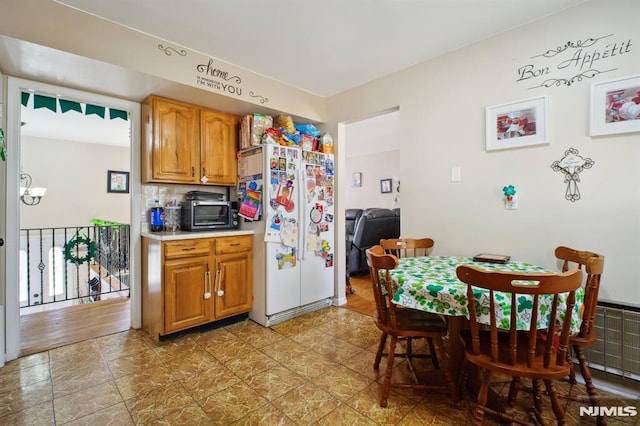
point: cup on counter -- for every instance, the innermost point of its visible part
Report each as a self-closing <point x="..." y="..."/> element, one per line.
<point x="172" y="218"/>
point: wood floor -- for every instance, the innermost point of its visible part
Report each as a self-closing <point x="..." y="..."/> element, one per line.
<point x="47" y="330"/>
<point x="362" y="300"/>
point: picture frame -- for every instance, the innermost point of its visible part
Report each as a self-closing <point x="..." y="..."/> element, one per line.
<point x="117" y="181"/>
<point x="615" y="106"/>
<point x="385" y="186"/>
<point x="517" y="124"/>
<point x="356" y="179"/>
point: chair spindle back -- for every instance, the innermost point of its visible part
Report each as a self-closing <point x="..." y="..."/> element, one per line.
<point x="380" y="264"/>
<point x="525" y="291"/>
<point x="407" y="247"/>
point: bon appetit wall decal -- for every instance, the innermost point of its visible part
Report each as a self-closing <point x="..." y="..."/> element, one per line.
<point x="573" y="61"/>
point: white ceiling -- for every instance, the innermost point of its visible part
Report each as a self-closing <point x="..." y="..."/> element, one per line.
<point x="324" y="47"/>
<point x="327" y="46"/>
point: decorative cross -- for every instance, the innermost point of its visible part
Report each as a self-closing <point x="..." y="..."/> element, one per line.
<point x="572" y="164"/>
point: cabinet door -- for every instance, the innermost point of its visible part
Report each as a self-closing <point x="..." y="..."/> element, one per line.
<point x="219" y="140"/>
<point x="187" y="282"/>
<point x="175" y="152"/>
<point x="233" y="292"/>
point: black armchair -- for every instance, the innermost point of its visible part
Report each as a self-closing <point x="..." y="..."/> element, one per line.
<point x="373" y="225"/>
<point x="351" y="218"/>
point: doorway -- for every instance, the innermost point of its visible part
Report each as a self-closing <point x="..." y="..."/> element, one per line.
<point x="66" y="189"/>
<point x="372" y="155"/>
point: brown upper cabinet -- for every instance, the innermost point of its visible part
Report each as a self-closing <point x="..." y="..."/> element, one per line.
<point x="184" y="143"/>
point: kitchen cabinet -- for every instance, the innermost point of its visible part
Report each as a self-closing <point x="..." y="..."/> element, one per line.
<point x="233" y="265"/>
<point x="192" y="282"/>
<point x="218" y="143"/>
<point x="185" y="143"/>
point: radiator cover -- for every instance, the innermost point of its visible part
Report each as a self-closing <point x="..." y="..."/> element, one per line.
<point x="617" y="349"/>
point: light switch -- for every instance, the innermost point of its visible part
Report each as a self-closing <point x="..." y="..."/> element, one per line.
<point x="455" y="174"/>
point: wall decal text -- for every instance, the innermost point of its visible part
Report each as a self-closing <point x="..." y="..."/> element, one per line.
<point x="574" y="61"/>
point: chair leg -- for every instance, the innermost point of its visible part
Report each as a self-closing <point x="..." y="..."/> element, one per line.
<point x="386" y="386"/>
<point x="537" y="400"/>
<point x="572" y="371"/>
<point x="462" y="378"/>
<point x="434" y="358"/>
<point x="439" y="352"/>
<point x="376" y="362"/>
<point x="481" y="401"/>
<point x="586" y="375"/>
<point x="514" y="388"/>
<point x="555" y="402"/>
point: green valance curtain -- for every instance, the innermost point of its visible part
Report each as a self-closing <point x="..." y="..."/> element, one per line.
<point x="40" y="101"/>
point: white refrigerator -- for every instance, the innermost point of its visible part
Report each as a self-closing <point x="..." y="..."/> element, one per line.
<point x="287" y="199"/>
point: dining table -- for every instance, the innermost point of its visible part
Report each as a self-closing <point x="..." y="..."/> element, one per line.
<point x="430" y="283"/>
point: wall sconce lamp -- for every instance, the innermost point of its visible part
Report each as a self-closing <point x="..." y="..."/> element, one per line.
<point x="30" y="196"/>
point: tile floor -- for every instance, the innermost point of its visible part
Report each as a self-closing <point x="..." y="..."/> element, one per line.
<point x="315" y="369"/>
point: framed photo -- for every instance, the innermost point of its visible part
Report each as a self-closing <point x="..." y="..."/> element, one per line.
<point x="385" y="186"/>
<point x="117" y="181"/>
<point x="356" y="179"/>
<point x="517" y="124"/>
<point x="615" y="106"/>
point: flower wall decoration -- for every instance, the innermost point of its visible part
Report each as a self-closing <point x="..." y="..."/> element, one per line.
<point x="511" y="202"/>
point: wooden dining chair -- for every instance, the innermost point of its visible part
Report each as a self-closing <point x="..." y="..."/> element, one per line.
<point x="411" y="247"/>
<point x="512" y="352"/>
<point x="593" y="264"/>
<point x="407" y="247"/>
<point x="403" y="323"/>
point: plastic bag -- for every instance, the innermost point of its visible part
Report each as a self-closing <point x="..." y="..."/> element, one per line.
<point x="309" y="129"/>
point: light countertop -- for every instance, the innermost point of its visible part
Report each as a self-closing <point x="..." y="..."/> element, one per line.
<point x="185" y="235"/>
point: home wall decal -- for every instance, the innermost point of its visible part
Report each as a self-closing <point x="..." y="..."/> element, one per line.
<point x="214" y="76"/>
<point x="574" y="61"/>
<point x="220" y="79"/>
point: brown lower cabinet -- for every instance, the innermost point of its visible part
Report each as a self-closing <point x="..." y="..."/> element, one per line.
<point x="192" y="282"/>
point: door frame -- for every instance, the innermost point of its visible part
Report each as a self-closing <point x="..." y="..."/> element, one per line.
<point x="15" y="86"/>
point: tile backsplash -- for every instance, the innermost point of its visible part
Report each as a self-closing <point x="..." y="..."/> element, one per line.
<point x="168" y="195"/>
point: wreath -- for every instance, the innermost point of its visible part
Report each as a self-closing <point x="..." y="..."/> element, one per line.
<point x="73" y="246"/>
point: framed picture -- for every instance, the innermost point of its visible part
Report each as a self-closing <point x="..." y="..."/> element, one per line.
<point x="615" y="106"/>
<point x="385" y="186"/>
<point x="517" y="124"/>
<point x="356" y="179"/>
<point x="117" y="181"/>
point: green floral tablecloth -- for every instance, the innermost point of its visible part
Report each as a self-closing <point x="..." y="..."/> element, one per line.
<point x="430" y="284"/>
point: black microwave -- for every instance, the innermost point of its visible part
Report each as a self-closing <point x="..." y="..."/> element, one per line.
<point x="203" y="215"/>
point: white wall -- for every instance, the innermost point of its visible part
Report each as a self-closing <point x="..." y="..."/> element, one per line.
<point x="443" y="125"/>
<point x="380" y="165"/>
<point x="75" y="175"/>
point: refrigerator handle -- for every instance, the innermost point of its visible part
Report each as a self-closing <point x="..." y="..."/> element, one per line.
<point x="207" y="283"/>
<point x="302" y="209"/>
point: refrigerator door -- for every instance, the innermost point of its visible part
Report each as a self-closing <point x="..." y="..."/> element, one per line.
<point x="317" y="273"/>
<point x="282" y="228"/>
